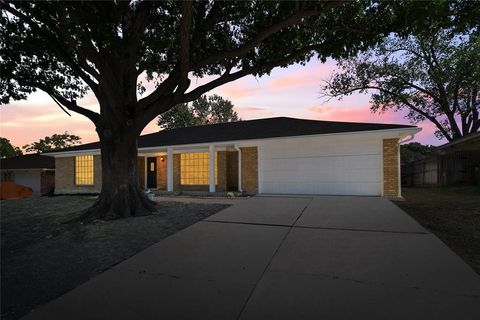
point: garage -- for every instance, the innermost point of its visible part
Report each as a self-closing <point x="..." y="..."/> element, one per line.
<point x="331" y="165"/>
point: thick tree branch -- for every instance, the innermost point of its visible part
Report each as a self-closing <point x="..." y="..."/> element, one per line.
<point x="62" y="101"/>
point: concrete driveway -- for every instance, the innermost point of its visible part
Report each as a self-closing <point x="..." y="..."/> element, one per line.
<point x="285" y="258"/>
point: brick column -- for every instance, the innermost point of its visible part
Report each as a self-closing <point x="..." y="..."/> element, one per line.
<point x="249" y="169"/>
<point x="391" y="169"/>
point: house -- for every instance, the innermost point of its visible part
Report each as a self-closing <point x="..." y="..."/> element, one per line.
<point x="457" y="162"/>
<point x="34" y="171"/>
<point x="273" y="155"/>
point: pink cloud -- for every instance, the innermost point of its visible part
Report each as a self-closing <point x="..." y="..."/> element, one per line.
<point x="306" y="77"/>
<point x="247" y="113"/>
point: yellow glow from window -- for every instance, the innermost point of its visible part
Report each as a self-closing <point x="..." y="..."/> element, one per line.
<point x="84" y="170"/>
<point x="195" y="168"/>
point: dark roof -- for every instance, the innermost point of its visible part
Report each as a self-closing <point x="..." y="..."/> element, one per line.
<point x="247" y="130"/>
<point x="472" y="138"/>
<point x="28" y="161"/>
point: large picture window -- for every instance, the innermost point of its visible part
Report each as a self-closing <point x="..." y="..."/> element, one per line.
<point x="195" y="168"/>
<point x="84" y="170"/>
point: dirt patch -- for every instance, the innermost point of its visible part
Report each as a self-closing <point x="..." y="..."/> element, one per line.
<point x="452" y="214"/>
<point x="43" y="258"/>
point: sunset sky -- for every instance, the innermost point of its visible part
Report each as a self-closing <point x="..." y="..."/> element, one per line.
<point x="290" y="92"/>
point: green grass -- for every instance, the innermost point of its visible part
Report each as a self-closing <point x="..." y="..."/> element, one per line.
<point x="42" y="257"/>
<point x="452" y="214"/>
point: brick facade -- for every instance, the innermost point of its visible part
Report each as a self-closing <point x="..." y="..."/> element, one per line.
<point x="391" y="182"/>
<point x="162" y="172"/>
<point x="65" y="176"/>
<point x="249" y="169"/>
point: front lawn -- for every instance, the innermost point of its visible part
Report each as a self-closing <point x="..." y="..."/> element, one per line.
<point x="452" y="214"/>
<point x="43" y="258"/>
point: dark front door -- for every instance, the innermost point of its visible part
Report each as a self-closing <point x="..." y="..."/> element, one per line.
<point x="151" y="172"/>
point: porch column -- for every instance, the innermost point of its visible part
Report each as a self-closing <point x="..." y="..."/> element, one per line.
<point x="211" y="151"/>
<point x="169" y="169"/>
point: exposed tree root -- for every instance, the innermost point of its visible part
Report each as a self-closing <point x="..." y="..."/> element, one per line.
<point x="127" y="201"/>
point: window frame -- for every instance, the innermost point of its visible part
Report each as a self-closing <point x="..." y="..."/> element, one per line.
<point x="84" y="165"/>
<point x="191" y="160"/>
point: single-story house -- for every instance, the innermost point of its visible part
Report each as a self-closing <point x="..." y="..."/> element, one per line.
<point x="31" y="170"/>
<point x="273" y="155"/>
<point x="456" y="162"/>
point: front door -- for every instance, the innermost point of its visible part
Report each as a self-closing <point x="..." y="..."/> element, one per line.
<point x="152" y="172"/>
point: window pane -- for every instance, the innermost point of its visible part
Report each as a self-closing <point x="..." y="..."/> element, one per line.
<point x="194" y="168"/>
<point x="84" y="170"/>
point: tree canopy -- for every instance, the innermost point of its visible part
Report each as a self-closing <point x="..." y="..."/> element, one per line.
<point x="54" y="142"/>
<point x="432" y="73"/>
<point x="8" y="150"/>
<point x="111" y="47"/>
<point x="205" y="110"/>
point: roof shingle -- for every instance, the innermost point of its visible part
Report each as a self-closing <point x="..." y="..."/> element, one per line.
<point x="247" y="130"/>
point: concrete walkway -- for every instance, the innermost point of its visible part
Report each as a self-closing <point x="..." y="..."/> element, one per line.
<point x="285" y="258"/>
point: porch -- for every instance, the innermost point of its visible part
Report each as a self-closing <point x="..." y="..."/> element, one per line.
<point x="208" y="168"/>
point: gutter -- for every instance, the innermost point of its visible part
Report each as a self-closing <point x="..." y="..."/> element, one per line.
<point x="239" y="167"/>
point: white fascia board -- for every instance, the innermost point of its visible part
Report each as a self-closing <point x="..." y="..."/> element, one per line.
<point x="385" y="134"/>
<point x="27" y="170"/>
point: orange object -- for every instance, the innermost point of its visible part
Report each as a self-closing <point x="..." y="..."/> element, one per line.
<point x="11" y="190"/>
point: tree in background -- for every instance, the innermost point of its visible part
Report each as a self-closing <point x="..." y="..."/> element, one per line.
<point x="8" y="150"/>
<point x="68" y="48"/>
<point x="434" y="74"/>
<point x="54" y="142"/>
<point x="414" y="151"/>
<point x="204" y="110"/>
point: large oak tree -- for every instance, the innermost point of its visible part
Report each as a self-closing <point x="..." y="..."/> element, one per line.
<point x="68" y="48"/>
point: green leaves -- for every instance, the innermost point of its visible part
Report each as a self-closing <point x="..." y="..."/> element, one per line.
<point x="205" y="110"/>
<point x="432" y="74"/>
<point x="8" y="150"/>
<point x="54" y="142"/>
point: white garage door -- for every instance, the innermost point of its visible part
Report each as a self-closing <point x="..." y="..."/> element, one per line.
<point x="331" y="165"/>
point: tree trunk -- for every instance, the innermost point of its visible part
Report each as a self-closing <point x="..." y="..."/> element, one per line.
<point x="121" y="195"/>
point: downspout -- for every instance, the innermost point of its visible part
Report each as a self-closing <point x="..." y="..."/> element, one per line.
<point x="239" y="167"/>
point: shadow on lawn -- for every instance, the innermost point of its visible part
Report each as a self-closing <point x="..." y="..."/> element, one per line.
<point x="42" y="257"/>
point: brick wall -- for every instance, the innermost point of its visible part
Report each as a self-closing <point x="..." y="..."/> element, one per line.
<point x="65" y="176"/>
<point x="222" y="164"/>
<point x="390" y="168"/>
<point x="232" y="171"/>
<point x="249" y="169"/>
<point x="176" y="172"/>
<point x="162" y="173"/>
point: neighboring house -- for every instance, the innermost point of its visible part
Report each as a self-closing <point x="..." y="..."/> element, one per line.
<point x="31" y="170"/>
<point x="457" y="162"/>
<point x="275" y="155"/>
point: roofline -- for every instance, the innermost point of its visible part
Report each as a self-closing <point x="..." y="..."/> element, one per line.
<point x="28" y="169"/>
<point x="407" y="130"/>
<point x="461" y="140"/>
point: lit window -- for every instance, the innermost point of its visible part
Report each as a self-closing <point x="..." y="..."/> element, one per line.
<point x="84" y="170"/>
<point x="195" y="168"/>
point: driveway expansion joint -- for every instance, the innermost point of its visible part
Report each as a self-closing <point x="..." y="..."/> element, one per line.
<point x="319" y="228"/>
<point x="271" y="259"/>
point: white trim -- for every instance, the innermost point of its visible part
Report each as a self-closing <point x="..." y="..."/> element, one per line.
<point x="394" y="133"/>
<point x="145" y="172"/>
<point x="382" y="183"/>
<point x="239" y="167"/>
<point x="211" y="167"/>
<point x="170" y="169"/>
<point x="30" y="169"/>
<point x="399" y="170"/>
